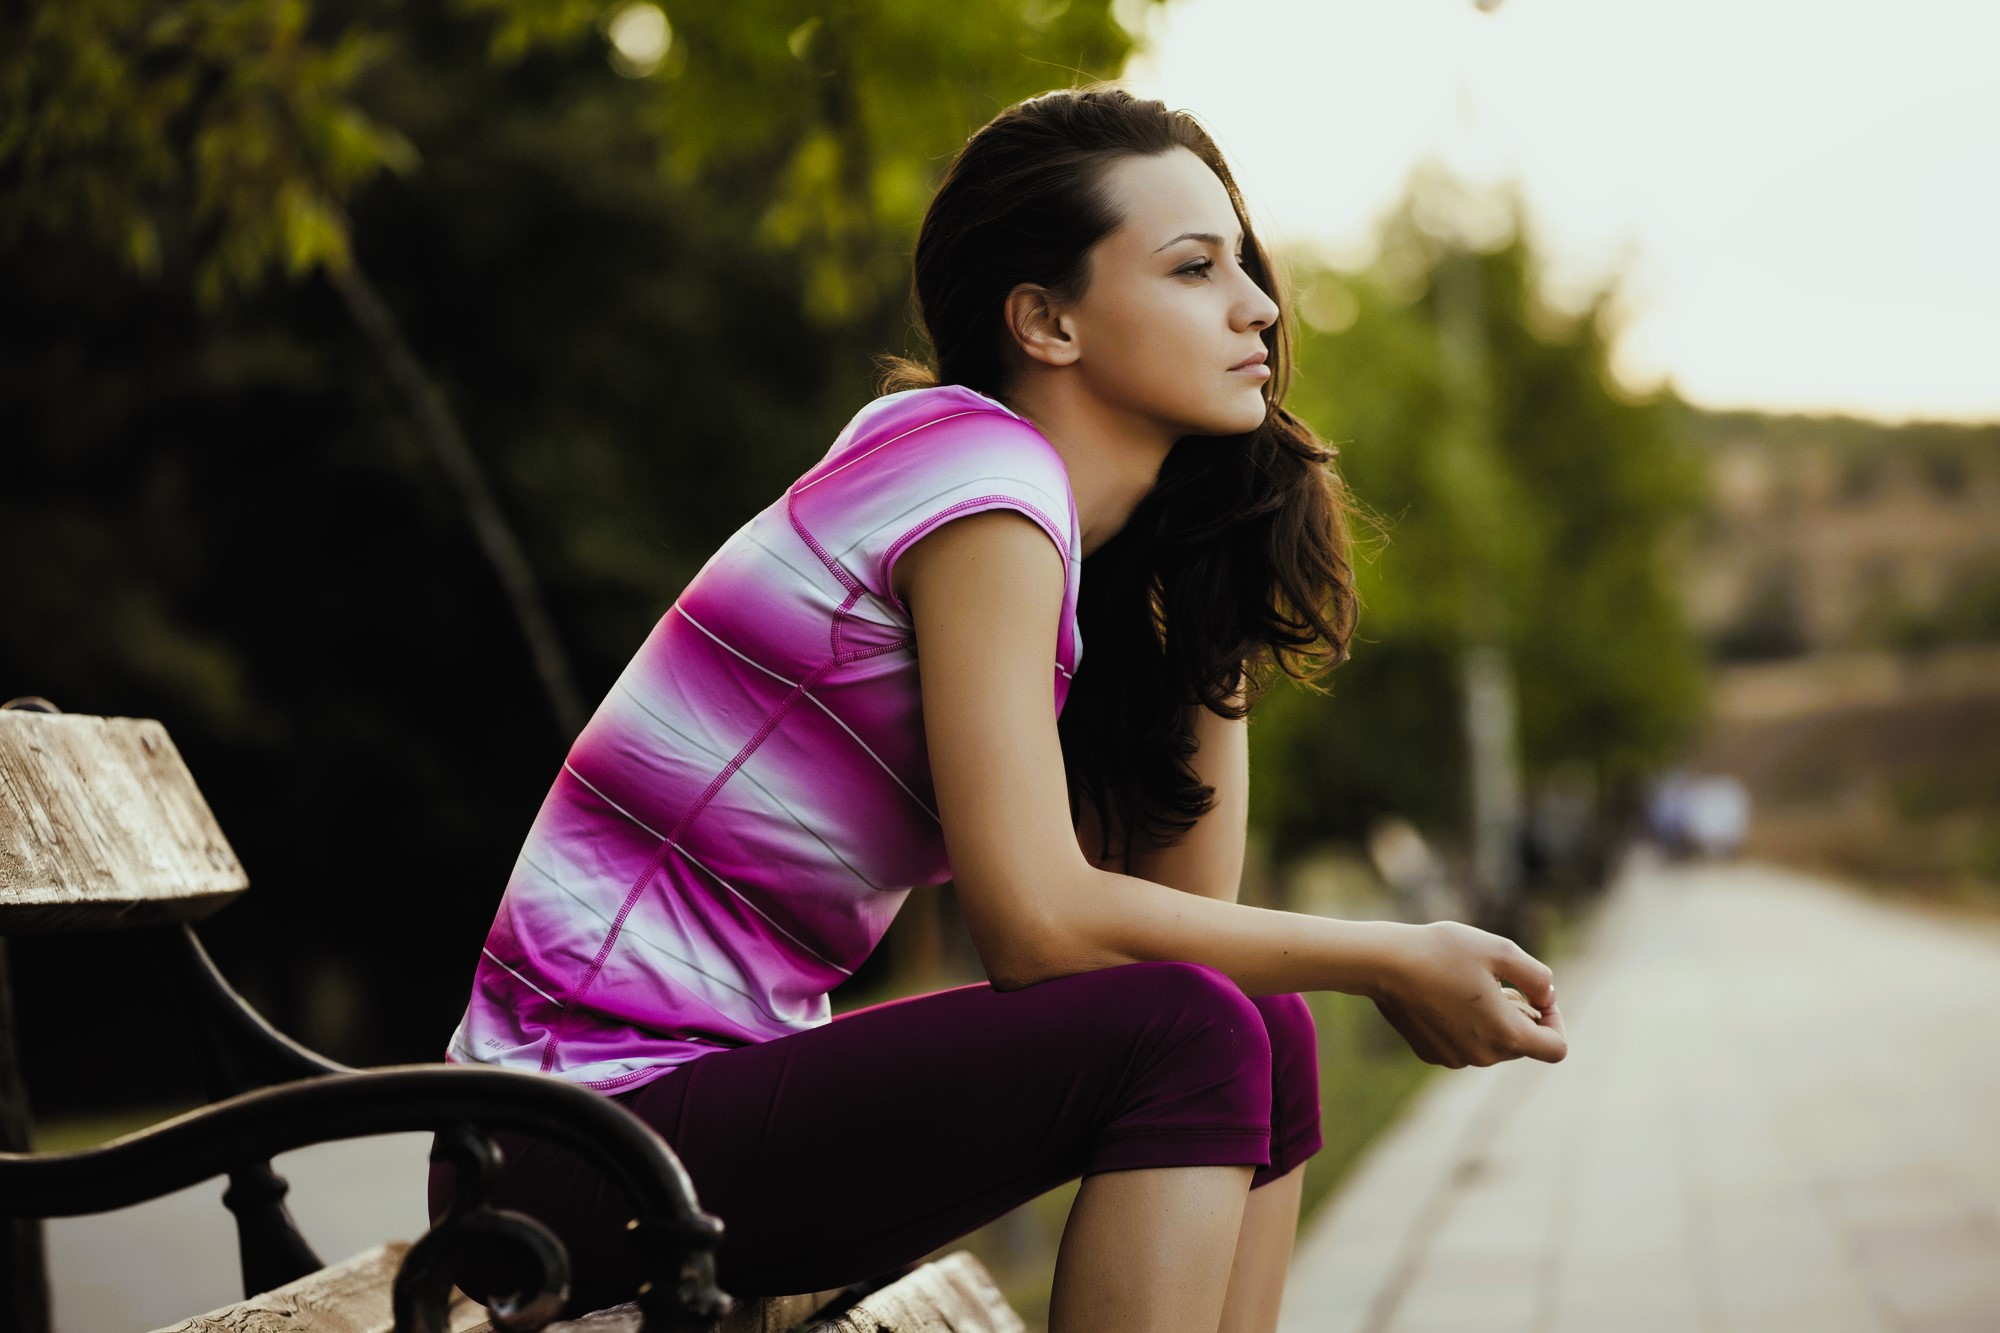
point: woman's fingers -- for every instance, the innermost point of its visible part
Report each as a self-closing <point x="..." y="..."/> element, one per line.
<point x="1515" y="964"/>
<point x="1545" y="1038"/>
<point x="1441" y="999"/>
<point x="1552" y="1018"/>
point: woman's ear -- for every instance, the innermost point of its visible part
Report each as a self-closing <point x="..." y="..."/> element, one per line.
<point x="1038" y="327"/>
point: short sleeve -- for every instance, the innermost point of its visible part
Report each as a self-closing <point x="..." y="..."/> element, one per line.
<point x="935" y="455"/>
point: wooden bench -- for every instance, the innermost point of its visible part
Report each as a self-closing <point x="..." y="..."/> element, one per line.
<point x="102" y="827"/>
<point x="955" y="1294"/>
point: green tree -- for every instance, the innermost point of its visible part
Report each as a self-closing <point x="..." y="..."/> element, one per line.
<point x="1546" y="525"/>
<point x="228" y="129"/>
<point x="830" y="123"/>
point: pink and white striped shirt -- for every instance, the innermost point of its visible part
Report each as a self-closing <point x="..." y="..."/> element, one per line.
<point x="743" y="815"/>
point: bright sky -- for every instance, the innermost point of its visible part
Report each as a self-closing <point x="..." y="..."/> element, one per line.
<point x="1805" y="197"/>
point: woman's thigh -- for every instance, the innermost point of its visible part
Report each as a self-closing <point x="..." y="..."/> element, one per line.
<point x="847" y="1151"/>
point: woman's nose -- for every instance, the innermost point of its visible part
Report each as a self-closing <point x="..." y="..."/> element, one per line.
<point x="1260" y="310"/>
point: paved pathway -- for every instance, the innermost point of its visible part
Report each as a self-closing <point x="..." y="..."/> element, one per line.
<point x="1781" y="1111"/>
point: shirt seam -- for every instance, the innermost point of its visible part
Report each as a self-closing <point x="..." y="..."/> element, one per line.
<point x="1053" y="528"/>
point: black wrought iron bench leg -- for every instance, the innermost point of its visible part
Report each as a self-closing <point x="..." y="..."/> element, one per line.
<point x="24" y="1283"/>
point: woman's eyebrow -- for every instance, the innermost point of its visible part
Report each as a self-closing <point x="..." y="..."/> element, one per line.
<point x="1207" y="236"/>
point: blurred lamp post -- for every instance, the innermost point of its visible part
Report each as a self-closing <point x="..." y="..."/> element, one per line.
<point x="1486" y="676"/>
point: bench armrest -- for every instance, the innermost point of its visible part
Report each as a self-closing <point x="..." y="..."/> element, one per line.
<point x="676" y="1237"/>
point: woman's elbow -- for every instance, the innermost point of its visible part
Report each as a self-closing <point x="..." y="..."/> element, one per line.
<point x="1021" y="950"/>
<point x="1051" y="951"/>
<point x="1021" y="963"/>
<point x="1009" y="979"/>
<point x="1030" y="973"/>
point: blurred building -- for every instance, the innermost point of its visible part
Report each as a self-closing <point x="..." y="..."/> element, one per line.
<point x="1840" y="534"/>
<point x="1847" y="579"/>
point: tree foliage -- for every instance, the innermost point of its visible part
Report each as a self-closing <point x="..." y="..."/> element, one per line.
<point x="1534" y="512"/>
<point x="226" y="127"/>
<point x="831" y="122"/>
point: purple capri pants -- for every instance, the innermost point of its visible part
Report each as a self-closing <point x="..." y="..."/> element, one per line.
<point x="922" y="1119"/>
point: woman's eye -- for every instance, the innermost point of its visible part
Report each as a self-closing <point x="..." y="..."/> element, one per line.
<point x="1200" y="268"/>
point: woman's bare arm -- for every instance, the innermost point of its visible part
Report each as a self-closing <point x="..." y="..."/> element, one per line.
<point x="985" y="593"/>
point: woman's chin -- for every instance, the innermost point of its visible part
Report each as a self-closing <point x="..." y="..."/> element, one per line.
<point x="1241" y="421"/>
<point x="1229" y="418"/>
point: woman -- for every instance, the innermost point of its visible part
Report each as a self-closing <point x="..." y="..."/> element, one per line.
<point x="747" y="809"/>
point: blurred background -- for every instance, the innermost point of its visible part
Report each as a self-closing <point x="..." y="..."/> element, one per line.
<point x="374" y="375"/>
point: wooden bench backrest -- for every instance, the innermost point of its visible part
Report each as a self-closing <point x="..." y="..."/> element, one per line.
<point x="101" y="824"/>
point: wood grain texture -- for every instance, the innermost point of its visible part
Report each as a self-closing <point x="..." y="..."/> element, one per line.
<point x="953" y="1295"/>
<point x="778" y="1314"/>
<point x="101" y="824"/>
<point x="350" y="1297"/>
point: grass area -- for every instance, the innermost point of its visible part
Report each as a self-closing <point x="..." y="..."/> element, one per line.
<point x="1366" y="1076"/>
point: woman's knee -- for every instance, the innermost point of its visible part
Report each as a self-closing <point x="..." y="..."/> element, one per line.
<point x="1190" y="1072"/>
<point x="1199" y="1011"/>
<point x="1294" y="1037"/>
<point x="1175" y="986"/>
<point x="1295" y="1105"/>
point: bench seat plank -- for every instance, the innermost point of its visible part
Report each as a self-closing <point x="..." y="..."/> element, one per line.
<point x="776" y="1314"/>
<point x="101" y="825"/>
<point x="349" y="1297"/>
<point x="955" y="1294"/>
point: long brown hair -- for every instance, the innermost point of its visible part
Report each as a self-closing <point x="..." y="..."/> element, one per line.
<point x="1236" y="563"/>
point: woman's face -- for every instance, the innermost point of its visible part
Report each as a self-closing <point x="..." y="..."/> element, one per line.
<point x="1167" y="314"/>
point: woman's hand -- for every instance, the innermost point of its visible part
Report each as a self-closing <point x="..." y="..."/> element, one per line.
<point x="1443" y="992"/>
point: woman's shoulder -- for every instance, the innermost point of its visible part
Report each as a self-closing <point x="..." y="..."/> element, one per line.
<point x="894" y="415"/>
<point x="912" y="460"/>
<point x="936" y="399"/>
<point x="918" y="441"/>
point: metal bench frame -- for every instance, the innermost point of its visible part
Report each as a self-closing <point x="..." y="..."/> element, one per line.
<point x="269" y="1094"/>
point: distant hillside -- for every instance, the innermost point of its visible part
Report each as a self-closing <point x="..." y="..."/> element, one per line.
<point x="1833" y="533"/>
<point x="1847" y="579"/>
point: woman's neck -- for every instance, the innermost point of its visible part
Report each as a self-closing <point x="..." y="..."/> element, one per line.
<point x="1113" y="458"/>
